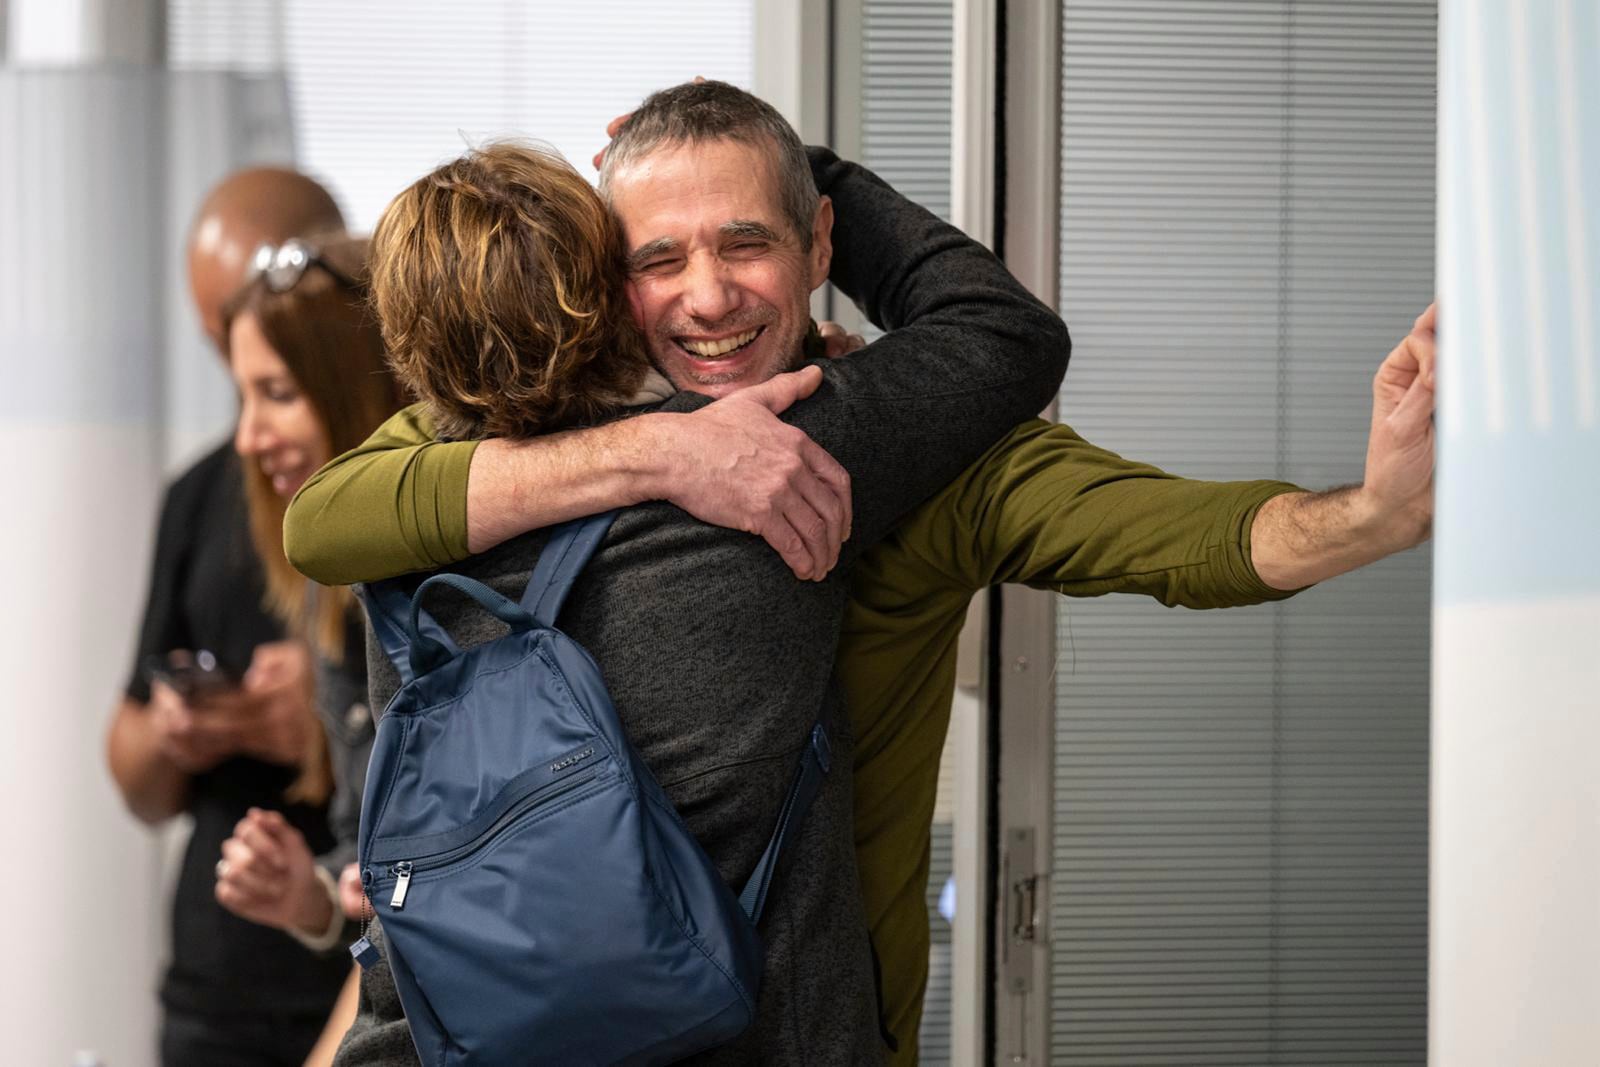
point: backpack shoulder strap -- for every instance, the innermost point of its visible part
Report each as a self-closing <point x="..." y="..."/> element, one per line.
<point x="814" y="763"/>
<point x="389" y="611"/>
<point x="387" y="608"/>
<point x="569" y="548"/>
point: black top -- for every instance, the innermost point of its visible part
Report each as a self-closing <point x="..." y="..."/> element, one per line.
<point x="350" y="729"/>
<point x="206" y="592"/>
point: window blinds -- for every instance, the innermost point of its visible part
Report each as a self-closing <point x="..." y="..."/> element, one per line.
<point x="1240" y="854"/>
<point x="384" y="90"/>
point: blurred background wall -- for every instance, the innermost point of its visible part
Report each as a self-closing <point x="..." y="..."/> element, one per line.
<point x="115" y="117"/>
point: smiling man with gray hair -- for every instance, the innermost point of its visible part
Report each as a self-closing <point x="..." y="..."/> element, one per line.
<point x="718" y="660"/>
<point x="1042" y="506"/>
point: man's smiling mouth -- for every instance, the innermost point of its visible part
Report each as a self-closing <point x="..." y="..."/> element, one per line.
<point x="719" y="349"/>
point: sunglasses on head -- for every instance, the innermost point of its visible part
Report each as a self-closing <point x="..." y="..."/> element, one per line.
<point x="280" y="267"/>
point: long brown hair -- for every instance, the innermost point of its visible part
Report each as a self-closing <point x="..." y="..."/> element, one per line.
<point x="326" y="334"/>
<point x="498" y="281"/>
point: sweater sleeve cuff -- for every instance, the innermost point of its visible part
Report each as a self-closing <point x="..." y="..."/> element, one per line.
<point x="330" y="937"/>
<point x="435" y="515"/>
<point x="1242" y="570"/>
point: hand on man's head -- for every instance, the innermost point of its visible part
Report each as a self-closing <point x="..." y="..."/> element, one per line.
<point x="615" y="125"/>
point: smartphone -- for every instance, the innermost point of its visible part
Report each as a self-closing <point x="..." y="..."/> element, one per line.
<point x="192" y="674"/>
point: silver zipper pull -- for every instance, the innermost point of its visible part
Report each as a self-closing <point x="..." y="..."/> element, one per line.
<point x="403" y="869"/>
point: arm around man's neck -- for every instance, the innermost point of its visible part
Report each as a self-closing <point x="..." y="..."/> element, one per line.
<point x="403" y="501"/>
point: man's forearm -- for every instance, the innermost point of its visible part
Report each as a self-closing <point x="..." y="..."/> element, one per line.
<point x="517" y="486"/>
<point x="1300" y="539"/>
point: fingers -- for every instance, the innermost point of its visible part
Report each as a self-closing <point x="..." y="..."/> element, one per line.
<point x="1417" y="353"/>
<point x="776" y="394"/>
<point x="818" y="518"/>
<point x="837" y="341"/>
<point x="1413" y="416"/>
<point x="786" y="541"/>
<point x="214" y="731"/>
<point x="612" y="129"/>
<point x="835" y="480"/>
<point x="834" y="338"/>
<point x="244" y="873"/>
<point x="810" y="531"/>
<point x="264" y="833"/>
<point x="1427" y="355"/>
<point x="352" y="896"/>
<point x="1427" y="322"/>
<point x="277" y="663"/>
<point x="1411" y="359"/>
<point x="815" y="513"/>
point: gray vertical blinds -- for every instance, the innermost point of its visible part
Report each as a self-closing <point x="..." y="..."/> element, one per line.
<point x="1240" y="854"/>
<point x="905" y="137"/>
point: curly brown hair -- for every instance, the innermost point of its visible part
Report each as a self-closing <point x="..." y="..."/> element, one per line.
<point x="498" y="282"/>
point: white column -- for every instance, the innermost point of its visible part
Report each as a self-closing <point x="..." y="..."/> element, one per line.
<point x="80" y="329"/>
<point x="1515" y="957"/>
<point x="107" y="384"/>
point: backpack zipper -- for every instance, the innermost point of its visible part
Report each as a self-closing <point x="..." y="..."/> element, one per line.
<point x="404" y="869"/>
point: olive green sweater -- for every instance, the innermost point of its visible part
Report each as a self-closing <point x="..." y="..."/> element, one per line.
<point x="1044" y="508"/>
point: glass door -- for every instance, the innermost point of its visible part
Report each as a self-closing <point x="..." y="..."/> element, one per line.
<point x="1215" y="824"/>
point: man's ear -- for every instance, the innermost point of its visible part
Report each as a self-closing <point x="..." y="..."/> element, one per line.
<point x="822" y="242"/>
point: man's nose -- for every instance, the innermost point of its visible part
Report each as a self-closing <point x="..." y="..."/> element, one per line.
<point x="709" y="293"/>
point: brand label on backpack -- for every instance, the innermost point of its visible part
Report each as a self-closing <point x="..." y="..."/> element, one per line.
<point x="568" y="762"/>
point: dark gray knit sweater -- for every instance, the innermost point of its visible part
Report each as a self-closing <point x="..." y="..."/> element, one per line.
<point x="719" y="660"/>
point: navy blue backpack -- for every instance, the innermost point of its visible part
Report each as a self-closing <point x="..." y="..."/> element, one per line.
<point x="542" y="901"/>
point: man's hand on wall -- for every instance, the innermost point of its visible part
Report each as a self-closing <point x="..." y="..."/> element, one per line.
<point x="1299" y="539"/>
<point x="1398" y="485"/>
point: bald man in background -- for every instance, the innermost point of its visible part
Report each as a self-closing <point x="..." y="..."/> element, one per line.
<point x="214" y="746"/>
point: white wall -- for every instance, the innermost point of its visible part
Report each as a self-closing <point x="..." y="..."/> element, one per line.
<point x="81" y="330"/>
<point x="1515" y="963"/>
<point x="109" y="387"/>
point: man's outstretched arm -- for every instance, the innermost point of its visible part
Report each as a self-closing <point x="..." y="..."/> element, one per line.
<point x="1299" y="539"/>
<point x="404" y="501"/>
<point x="1048" y="509"/>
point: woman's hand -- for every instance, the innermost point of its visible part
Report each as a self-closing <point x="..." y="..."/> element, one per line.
<point x="276" y="718"/>
<point x="352" y="895"/>
<point x="189" y="735"/>
<point x="267" y="875"/>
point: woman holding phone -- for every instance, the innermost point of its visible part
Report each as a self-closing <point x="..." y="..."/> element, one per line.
<point x="308" y="361"/>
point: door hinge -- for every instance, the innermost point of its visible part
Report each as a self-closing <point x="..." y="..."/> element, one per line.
<point x="1023" y="883"/>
